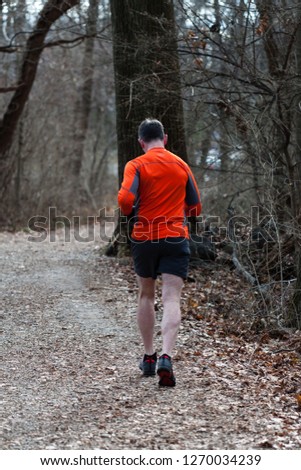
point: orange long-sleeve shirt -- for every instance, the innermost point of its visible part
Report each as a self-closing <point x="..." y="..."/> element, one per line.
<point x="161" y="189"/>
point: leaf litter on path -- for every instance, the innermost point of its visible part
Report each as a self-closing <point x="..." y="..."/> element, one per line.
<point x="70" y="369"/>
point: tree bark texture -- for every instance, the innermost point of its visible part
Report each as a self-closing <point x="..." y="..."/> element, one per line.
<point x="147" y="77"/>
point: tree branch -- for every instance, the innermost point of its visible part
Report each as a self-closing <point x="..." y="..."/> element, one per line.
<point x="61" y="42"/>
<point x="9" y="89"/>
<point x="78" y="39"/>
<point x="8" y="49"/>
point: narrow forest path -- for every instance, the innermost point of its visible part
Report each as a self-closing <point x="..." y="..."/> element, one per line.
<point x="72" y="349"/>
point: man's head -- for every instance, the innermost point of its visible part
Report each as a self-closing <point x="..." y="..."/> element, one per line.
<point x="151" y="133"/>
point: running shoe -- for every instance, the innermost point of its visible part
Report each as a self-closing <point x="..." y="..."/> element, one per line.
<point x="165" y="372"/>
<point x="148" y="364"/>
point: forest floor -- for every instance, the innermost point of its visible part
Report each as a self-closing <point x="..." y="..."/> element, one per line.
<point x="71" y="377"/>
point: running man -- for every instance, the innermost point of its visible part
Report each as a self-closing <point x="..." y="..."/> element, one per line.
<point x="161" y="189"/>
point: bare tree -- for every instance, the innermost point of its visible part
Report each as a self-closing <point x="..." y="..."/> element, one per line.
<point x="50" y="13"/>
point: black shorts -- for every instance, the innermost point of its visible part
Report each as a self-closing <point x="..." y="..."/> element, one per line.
<point x="167" y="255"/>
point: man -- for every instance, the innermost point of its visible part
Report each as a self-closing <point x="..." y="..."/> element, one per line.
<point x="162" y="190"/>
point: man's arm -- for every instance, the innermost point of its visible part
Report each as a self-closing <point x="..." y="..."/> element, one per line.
<point x="129" y="188"/>
<point x="193" y="205"/>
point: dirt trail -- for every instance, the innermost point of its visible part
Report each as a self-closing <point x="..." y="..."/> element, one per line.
<point x="71" y="379"/>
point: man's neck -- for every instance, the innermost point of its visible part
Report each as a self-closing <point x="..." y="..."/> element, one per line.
<point x="154" y="144"/>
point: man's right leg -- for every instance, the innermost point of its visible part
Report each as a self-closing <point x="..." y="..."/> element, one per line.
<point x="171" y="296"/>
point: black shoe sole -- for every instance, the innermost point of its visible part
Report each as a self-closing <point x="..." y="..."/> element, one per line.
<point x="167" y="379"/>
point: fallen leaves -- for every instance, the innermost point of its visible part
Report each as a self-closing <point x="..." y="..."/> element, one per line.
<point x="71" y="377"/>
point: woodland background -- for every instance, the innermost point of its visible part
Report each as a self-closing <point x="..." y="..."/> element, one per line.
<point x="224" y="77"/>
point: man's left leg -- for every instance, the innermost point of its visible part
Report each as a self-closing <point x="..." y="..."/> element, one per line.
<point x="146" y="322"/>
<point x="146" y="312"/>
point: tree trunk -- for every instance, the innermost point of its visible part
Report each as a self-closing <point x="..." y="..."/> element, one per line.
<point x="51" y="12"/>
<point x="278" y="57"/>
<point x="83" y="106"/>
<point x="265" y="8"/>
<point x="298" y="119"/>
<point x="295" y="313"/>
<point x="19" y="25"/>
<point x="147" y="78"/>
